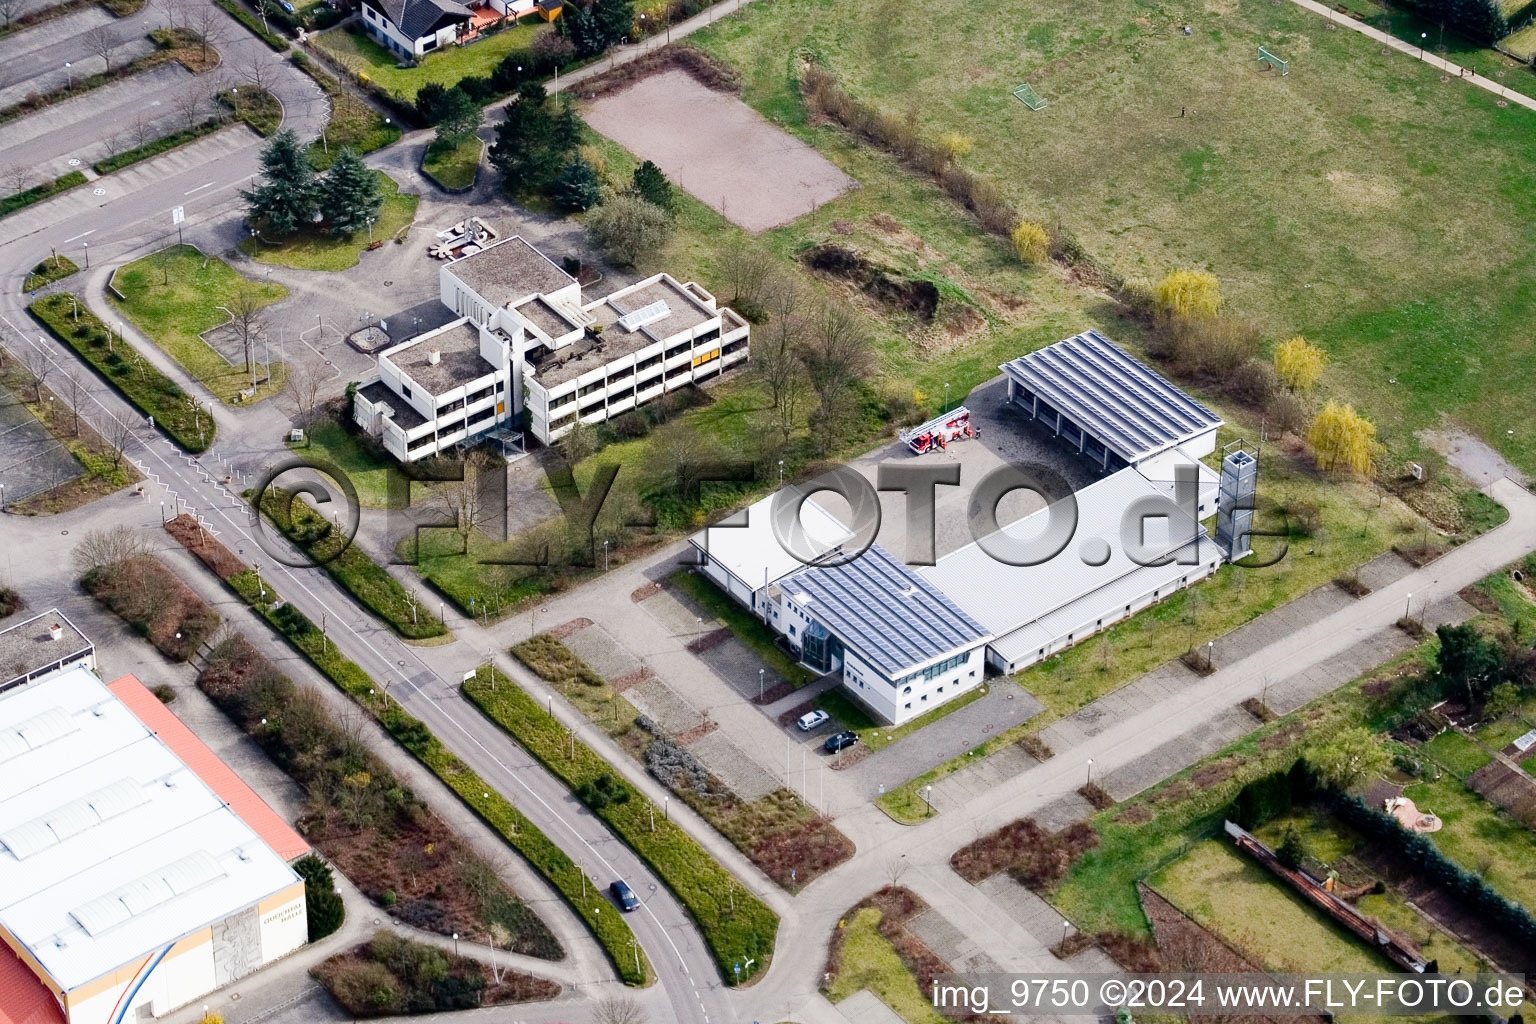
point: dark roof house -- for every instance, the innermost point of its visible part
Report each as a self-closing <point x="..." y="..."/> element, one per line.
<point x="417" y="18"/>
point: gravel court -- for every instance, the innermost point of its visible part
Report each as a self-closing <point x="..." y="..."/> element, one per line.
<point x="719" y="149"/>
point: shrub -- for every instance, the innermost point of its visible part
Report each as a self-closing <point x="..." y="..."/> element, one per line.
<point x="322" y="902"/>
<point x="1292" y="850"/>
<point x="1032" y="242"/>
<point x="1212" y="346"/>
<point x="1299" y="363"/>
<point x="628" y="227"/>
<point x="1190" y="293"/>
<point x="1287" y="412"/>
<point x="1138" y="295"/>
<point x="1253" y="381"/>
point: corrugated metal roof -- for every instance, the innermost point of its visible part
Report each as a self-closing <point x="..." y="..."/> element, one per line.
<point x="1028" y="607"/>
<point x="1123" y="403"/>
<point x="216" y="775"/>
<point x="886" y="612"/>
<point x="24" y="999"/>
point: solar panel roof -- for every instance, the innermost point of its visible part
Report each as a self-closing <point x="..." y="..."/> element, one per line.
<point x="1123" y="403"/>
<point x="886" y="612"/>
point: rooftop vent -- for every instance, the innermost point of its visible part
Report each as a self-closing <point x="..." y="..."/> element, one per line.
<point x="55" y="632"/>
<point x="434" y="356"/>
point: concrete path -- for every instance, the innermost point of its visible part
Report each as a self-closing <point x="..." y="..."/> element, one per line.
<point x="1434" y="60"/>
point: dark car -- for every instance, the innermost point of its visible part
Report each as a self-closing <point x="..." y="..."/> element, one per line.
<point x="624" y="896"/>
<point x="839" y="741"/>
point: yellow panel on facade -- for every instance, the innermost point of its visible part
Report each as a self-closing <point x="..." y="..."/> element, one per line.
<point x="699" y="360"/>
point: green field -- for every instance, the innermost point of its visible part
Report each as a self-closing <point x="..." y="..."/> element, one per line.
<point x="362" y="55"/>
<point x="869" y="961"/>
<point x="320" y="250"/>
<point x="453" y="166"/>
<point x="176" y="294"/>
<point x="1359" y="201"/>
<point x="329" y="441"/>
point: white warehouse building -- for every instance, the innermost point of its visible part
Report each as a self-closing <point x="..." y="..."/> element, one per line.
<point x="525" y="340"/>
<point x="909" y="639"/>
<point x="137" y="872"/>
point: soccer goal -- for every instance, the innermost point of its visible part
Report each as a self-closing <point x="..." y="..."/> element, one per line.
<point x="1271" y="61"/>
<point x="1026" y="95"/>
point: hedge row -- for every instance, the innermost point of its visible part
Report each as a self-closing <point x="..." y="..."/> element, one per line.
<point x="348" y="565"/>
<point x="736" y="925"/>
<point x="582" y="893"/>
<point x="1474" y="894"/>
<point x="37" y="193"/>
<point x="151" y="391"/>
<point x="250" y="21"/>
<point x="155" y="148"/>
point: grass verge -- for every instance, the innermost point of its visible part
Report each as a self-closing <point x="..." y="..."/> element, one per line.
<point x="37" y="193"/>
<point x="242" y="14"/>
<point x="735" y="924"/>
<point x="453" y="166"/>
<point x="347" y="564"/>
<point x="152" y="392"/>
<point x="581" y="893"/>
<point x="352" y="123"/>
<point x="177" y="294"/>
<point x="161" y="145"/>
<point x="54" y="268"/>
<point x="320" y="250"/>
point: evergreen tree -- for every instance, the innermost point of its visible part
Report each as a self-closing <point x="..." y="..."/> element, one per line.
<point x="349" y="194"/>
<point x="578" y="187"/>
<point x="1468" y="660"/>
<point x="325" y="909"/>
<point x="614" y="18"/>
<point x="458" y="117"/>
<point x="652" y="186"/>
<point x="527" y="151"/>
<point x="585" y="34"/>
<point x="428" y="98"/>
<point x="284" y="200"/>
<point x="565" y="131"/>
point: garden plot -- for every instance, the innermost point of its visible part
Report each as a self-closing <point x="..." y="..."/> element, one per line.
<point x="719" y="149"/>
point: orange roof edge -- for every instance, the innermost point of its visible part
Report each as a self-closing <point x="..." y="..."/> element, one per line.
<point x="24" y="999"/>
<point x="218" y="776"/>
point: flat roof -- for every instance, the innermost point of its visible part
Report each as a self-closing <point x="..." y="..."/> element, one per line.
<point x="458" y="345"/>
<point x="1126" y="405"/>
<point x="403" y="415"/>
<point x="111" y="847"/>
<point x="29" y="646"/>
<point x="1029" y="606"/>
<point x="509" y="271"/>
<point x="880" y="608"/>
<point x="684" y="309"/>
<point x="745" y="545"/>
<point x="547" y="317"/>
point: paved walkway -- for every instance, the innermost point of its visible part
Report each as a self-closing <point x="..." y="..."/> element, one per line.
<point x="1434" y="60"/>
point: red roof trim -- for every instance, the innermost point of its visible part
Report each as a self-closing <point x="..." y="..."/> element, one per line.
<point x="220" y="778"/>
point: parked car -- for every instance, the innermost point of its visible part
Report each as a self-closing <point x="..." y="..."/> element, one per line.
<point x="811" y="719"/>
<point x="624" y="896"/>
<point x="840" y="741"/>
<point x="285" y="5"/>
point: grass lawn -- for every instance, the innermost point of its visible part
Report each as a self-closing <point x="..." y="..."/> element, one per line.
<point x="1456" y="754"/>
<point x="54" y="268"/>
<point x="453" y="166"/>
<point x="746" y="627"/>
<point x="329" y="440"/>
<point x="1318" y="216"/>
<point x="361" y="54"/>
<point x="850" y="714"/>
<point x="176" y="294"/>
<point x="870" y="962"/>
<point x="320" y="250"/>
<point x="1480" y="837"/>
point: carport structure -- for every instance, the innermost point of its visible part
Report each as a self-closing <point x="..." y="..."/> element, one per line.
<point x="1115" y="409"/>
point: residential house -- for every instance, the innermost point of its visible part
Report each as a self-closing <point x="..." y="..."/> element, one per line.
<point x="416" y="27"/>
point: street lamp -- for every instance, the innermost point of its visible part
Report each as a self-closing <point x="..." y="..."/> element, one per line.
<point x="928" y="799"/>
<point x="759" y="686"/>
<point x="1090" y="771"/>
<point x="946" y="396"/>
<point x="87" y="247"/>
<point x="605" y="556"/>
<point x="781" y="461"/>
<point x="69" y="75"/>
<point x="1423" y="36"/>
<point x="1408" y="606"/>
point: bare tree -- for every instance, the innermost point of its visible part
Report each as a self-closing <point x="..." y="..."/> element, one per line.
<point x="171" y="10"/>
<point x="141" y="126"/>
<point x="776" y="356"/>
<point x="837" y="353"/>
<point x="245" y="311"/>
<point x="40" y="367"/>
<point x="110" y="548"/>
<point x="74" y="397"/>
<point x="9" y="9"/>
<point x="619" y="1010"/>
<point x="114" y="143"/>
<point x="101" y="41"/>
<point x="258" y="71"/>
<point x="747" y="270"/>
<point x="204" y="20"/>
<point x="119" y="435"/>
<point x="306" y="381"/>
<point x="17" y="177"/>
<point x="895" y="867"/>
<point x="263" y="7"/>
<point x="190" y="104"/>
<point x="473" y="503"/>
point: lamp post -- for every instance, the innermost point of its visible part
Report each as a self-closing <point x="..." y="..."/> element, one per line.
<point x="69" y="75"/>
<point x="781" y="461"/>
<point x="759" y="686"/>
<point x="946" y="397"/>
<point x="928" y="799"/>
<point x="1408" y="606"/>
<point x="87" y="247"/>
<point x="1423" y="37"/>
<point x="1090" y="771"/>
<point x="605" y="556"/>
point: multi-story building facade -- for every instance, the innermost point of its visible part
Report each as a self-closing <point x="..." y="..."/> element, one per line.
<point x="525" y="340"/>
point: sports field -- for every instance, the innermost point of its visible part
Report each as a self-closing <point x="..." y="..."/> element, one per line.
<point x="1359" y="200"/>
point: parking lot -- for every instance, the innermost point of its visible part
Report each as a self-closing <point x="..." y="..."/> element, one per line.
<point x="31" y="459"/>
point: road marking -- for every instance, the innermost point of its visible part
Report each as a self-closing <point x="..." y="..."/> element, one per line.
<point x="198" y="189"/>
<point x="80" y="235"/>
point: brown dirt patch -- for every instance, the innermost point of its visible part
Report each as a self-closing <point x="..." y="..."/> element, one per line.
<point x="1136" y="814"/>
<point x="709" y="641"/>
<point x="201" y="543"/>
<point x="851" y="757"/>
<point x="788" y="717"/>
<point x="565" y="629"/>
<point x="774" y="694"/>
<point x="697" y="733"/>
<point x="633" y="679"/>
<point x="1213" y="772"/>
<point x="646" y="592"/>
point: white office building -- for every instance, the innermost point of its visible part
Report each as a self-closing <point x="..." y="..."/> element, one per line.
<point x="526" y="340"/>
